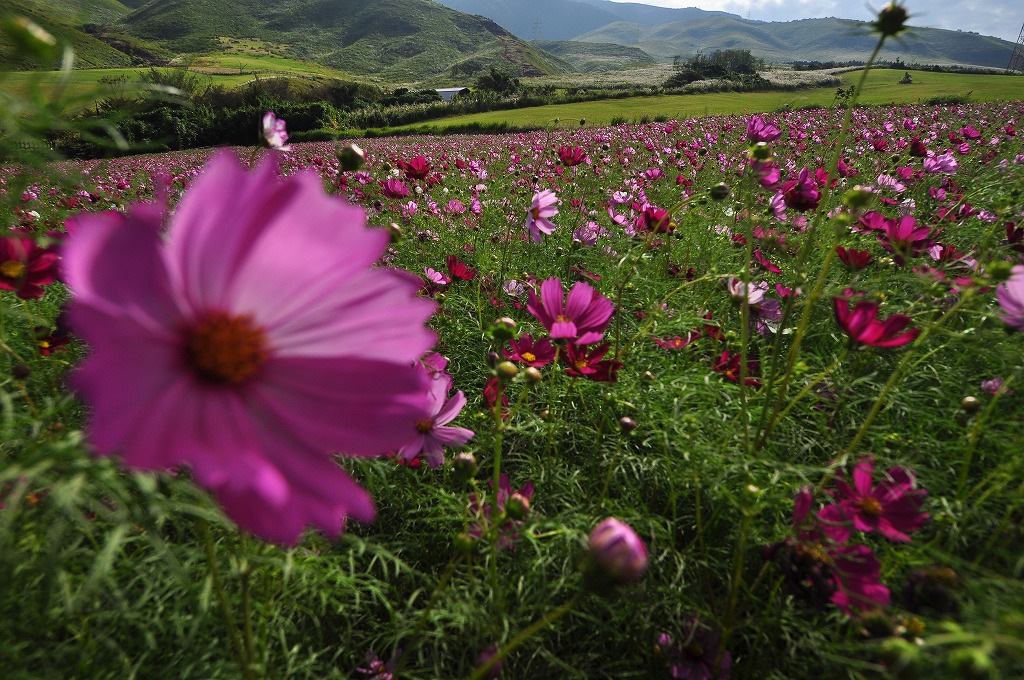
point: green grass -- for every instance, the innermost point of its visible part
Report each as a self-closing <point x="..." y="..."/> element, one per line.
<point x="881" y="88"/>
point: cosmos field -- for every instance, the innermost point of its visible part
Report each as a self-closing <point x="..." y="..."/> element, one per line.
<point x="781" y="352"/>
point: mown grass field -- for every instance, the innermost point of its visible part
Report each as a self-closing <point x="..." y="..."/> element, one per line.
<point x="882" y="87"/>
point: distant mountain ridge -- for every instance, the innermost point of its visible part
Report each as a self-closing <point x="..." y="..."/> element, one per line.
<point x="666" y="32"/>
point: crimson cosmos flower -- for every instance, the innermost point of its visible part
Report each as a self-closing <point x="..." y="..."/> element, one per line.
<point x="571" y="155"/>
<point x="863" y="327"/>
<point x="25" y="267"/>
<point x="892" y="507"/>
<point x="415" y="168"/>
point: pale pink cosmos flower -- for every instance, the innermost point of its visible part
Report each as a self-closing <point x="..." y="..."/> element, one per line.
<point x="251" y="343"/>
<point x="541" y="209"/>
<point x="432" y="431"/>
<point x="274" y="132"/>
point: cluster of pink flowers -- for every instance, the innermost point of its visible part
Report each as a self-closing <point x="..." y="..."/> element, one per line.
<point x="574" y="322"/>
<point x="819" y="563"/>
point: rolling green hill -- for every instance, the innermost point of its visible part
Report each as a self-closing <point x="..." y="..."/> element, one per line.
<point x="396" y="40"/>
<point x="66" y="20"/>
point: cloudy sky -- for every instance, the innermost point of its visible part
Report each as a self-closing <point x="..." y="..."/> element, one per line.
<point x="1001" y="18"/>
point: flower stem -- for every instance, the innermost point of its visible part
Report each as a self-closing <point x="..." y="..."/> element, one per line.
<point x="225" y="605"/>
<point x="524" y="635"/>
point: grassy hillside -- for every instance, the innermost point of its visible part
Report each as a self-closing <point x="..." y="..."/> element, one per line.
<point x="395" y="40"/>
<point x="64" y="20"/>
<point x="587" y="57"/>
<point x="807" y="40"/>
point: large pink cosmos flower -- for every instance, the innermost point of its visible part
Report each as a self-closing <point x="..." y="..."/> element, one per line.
<point x="538" y="215"/>
<point x="581" y="317"/>
<point x="250" y="344"/>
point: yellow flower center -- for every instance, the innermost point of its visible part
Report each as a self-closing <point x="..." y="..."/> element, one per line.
<point x="581" y="364"/>
<point x="12" y="269"/>
<point x="528" y="356"/>
<point x="870" y="506"/>
<point x="424" y="425"/>
<point x="562" y="318"/>
<point x="226" y="349"/>
<point x="535" y="212"/>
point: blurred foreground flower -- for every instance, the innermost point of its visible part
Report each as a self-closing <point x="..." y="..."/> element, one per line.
<point x="1011" y="298"/>
<point x="251" y="343"/>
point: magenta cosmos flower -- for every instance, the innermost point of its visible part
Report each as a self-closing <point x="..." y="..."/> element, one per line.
<point x="541" y="209"/>
<point x="581" y="317"/>
<point x="863" y="326"/>
<point x="892" y="507"/>
<point x="250" y="344"/>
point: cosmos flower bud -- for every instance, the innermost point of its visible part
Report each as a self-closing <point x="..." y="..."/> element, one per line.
<point x="533" y="374"/>
<point x="395" y="232"/>
<point x="970" y="404"/>
<point x="761" y="151"/>
<point x="892" y="20"/>
<point x="627" y="424"/>
<point x="617" y="555"/>
<point x="719" y="192"/>
<point x="518" y="506"/>
<point x="351" y="158"/>
<point x="503" y="329"/>
<point x="465" y="465"/>
<point x="506" y="370"/>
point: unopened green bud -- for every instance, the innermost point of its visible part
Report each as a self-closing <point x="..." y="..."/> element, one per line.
<point x="351" y="158"/>
<point x="970" y="404"/>
<point x="999" y="270"/>
<point x="719" y="192"/>
<point x="533" y="374"/>
<point x="627" y="424"/>
<point x="518" y="506"/>
<point x="395" y="232"/>
<point x="892" y="20"/>
<point x="761" y="151"/>
<point x="465" y="465"/>
<point x="506" y="370"/>
<point x="857" y="198"/>
<point x="463" y="543"/>
<point x="503" y="329"/>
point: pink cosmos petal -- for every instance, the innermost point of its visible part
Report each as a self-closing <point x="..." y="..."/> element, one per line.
<point x="109" y="257"/>
<point x="300" y="396"/>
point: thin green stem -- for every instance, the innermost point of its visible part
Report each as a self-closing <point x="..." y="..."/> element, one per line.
<point x="225" y="605"/>
<point x="524" y="635"/>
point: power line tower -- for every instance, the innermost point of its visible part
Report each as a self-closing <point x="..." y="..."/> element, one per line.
<point x="1017" y="58"/>
<point x="536" y="30"/>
